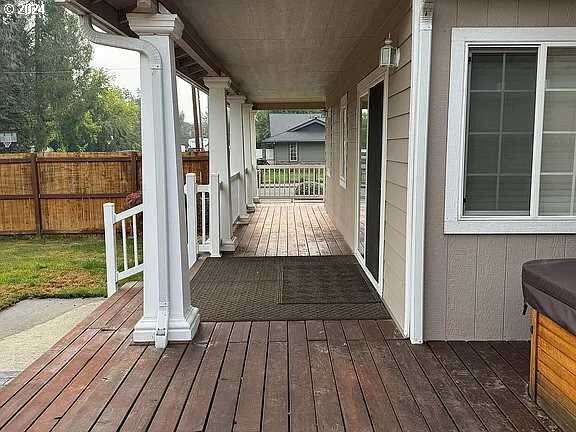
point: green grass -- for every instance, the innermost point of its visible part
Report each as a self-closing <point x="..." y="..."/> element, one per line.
<point x="51" y="266"/>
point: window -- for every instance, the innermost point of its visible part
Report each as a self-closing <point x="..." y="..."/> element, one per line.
<point x="328" y="145"/>
<point x="512" y="131"/>
<point x="293" y="152"/>
<point x="343" y="139"/>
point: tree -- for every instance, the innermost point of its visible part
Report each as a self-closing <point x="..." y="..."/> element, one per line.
<point x="185" y="131"/>
<point x="50" y="95"/>
<point x="109" y="118"/>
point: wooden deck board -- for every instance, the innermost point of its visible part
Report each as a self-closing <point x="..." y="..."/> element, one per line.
<point x="260" y="376"/>
<point x="293" y="229"/>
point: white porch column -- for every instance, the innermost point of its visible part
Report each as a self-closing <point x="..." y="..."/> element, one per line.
<point x="255" y="197"/>
<point x="168" y="315"/>
<point x="219" y="157"/>
<point x="248" y="162"/>
<point x="237" y="162"/>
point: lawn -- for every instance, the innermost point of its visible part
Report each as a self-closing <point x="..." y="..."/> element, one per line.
<point x="51" y="266"/>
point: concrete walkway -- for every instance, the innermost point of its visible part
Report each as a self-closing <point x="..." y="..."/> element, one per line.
<point x="31" y="327"/>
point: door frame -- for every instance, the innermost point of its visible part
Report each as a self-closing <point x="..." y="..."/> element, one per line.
<point x="380" y="74"/>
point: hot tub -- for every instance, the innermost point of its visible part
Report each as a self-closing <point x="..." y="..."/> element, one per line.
<point x="549" y="287"/>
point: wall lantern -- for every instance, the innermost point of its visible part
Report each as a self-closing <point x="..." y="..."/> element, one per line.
<point x="389" y="54"/>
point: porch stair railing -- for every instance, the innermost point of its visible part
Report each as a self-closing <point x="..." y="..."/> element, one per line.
<point x="291" y="182"/>
<point x="203" y="231"/>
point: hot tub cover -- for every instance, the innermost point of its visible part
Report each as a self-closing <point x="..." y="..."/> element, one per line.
<point x="549" y="286"/>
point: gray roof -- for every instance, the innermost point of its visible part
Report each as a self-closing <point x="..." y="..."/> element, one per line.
<point x="296" y="128"/>
<point x="281" y="122"/>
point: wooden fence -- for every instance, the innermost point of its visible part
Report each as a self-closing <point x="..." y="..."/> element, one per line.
<point x="63" y="193"/>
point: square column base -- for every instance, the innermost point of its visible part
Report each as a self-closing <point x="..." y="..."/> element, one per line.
<point x="256" y="200"/>
<point x="250" y="208"/>
<point x="229" y="245"/>
<point x="179" y="330"/>
<point x="243" y="220"/>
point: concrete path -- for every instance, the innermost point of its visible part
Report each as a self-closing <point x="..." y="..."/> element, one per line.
<point x="31" y="327"/>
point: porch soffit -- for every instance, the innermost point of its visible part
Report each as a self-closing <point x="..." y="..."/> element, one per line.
<point x="284" y="50"/>
<point x="279" y="53"/>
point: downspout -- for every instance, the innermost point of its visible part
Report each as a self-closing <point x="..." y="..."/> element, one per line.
<point x="147" y="49"/>
<point x="418" y="147"/>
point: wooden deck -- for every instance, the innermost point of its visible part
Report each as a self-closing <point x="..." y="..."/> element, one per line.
<point x="289" y="229"/>
<point x="268" y="376"/>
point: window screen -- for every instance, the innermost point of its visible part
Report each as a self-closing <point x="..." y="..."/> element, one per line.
<point x="500" y="131"/>
<point x="558" y="171"/>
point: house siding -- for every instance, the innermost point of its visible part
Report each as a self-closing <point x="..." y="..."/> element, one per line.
<point x="308" y="152"/>
<point x="338" y="200"/>
<point x="472" y="283"/>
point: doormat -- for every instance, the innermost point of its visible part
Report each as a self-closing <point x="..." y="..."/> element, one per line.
<point x="326" y="281"/>
<point x="284" y="288"/>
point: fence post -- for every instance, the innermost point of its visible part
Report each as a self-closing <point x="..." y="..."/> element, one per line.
<point x="36" y="192"/>
<point x="214" y="215"/>
<point x="110" y="242"/>
<point x="191" y="214"/>
<point x="134" y="171"/>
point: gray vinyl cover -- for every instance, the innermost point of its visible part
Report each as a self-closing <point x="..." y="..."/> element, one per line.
<point x="549" y="286"/>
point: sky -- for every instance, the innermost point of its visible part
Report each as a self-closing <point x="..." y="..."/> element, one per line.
<point x="124" y="66"/>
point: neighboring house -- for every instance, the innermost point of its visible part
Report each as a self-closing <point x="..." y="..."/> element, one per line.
<point x="445" y="171"/>
<point x="295" y="139"/>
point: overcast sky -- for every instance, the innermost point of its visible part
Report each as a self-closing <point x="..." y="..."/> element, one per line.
<point x="124" y="66"/>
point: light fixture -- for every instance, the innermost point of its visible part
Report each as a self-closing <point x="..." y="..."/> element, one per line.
<point x="389" y="54"/>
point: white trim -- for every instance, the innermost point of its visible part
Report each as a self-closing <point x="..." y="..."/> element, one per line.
<point x="422" y="13"/>
<point x="362" y="89"/>
<point x="292" y="146"/>
<point x="328" y="144"/>
<point x="343" y="145"/>
<point x="454" y="220"/>
<point x="378" y="75"/>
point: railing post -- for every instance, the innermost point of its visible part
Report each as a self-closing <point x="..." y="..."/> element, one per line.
<point x="110" y="244"/>
<point x="191" y="214"/>
<point x="214" y="215"/>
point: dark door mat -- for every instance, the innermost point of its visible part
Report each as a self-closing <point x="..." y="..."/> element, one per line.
<point x="284" y="288"/>
<point x="325" y="282"/>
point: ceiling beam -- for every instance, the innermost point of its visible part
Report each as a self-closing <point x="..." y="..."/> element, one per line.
<point x="288" y="105"/>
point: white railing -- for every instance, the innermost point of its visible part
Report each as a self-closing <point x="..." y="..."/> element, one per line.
<point x="207" y="239"/>
<point x="209" y="217"/>
<point x="235" y="190"/>
<point x="132" y="263"/>
<point x="291" y="181"/>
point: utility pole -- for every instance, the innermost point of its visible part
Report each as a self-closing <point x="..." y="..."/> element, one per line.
<point x="197" y="128"/>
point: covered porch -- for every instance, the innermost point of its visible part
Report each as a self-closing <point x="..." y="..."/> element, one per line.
<point x="247" y="62"/>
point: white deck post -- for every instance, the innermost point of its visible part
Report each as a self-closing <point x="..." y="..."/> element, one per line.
<point x="247" y="141"/>
<point x="254" y="173"/>
<point x="110" y="242"/>
<point x="237" y="162"/>
<point x="168" y="314"/>
<point x="219" y="160"/>
<point x="214" y="215"/>
<point x="192" y="218"/>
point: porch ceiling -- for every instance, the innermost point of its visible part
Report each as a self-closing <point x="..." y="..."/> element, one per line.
<point x="277" y="52"/>
<point x="283" y="50"/>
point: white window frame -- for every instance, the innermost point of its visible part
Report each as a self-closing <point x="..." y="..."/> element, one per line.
<point x="454" y="220"/>
<point x="343" y="150"/>
<point x="290" y="147"/>
<point x="328" y="142"/>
